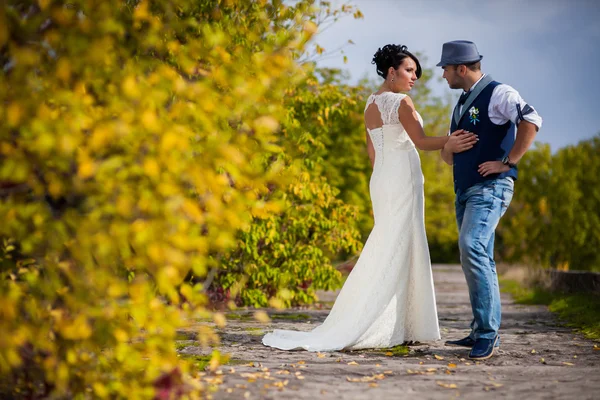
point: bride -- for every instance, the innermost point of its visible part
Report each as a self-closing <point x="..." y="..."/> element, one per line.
<point x="388" y="298"/>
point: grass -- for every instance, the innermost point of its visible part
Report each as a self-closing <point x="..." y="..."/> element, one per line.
<point x="396" y="351"/>
<point x="254" y="331"/>
<point x="241" y="317"/>
<point x="183" y="335"/>
<point x="181" y="346"/>
<point x="290" y="316"/>
<point x="250" y="317"/>
<point x="199" y="362"/>
<point x="399" y="350"/>
<point x="579" y="310"/>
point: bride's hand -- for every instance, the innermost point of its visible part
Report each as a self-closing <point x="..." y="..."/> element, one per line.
<point x="461" y="140"/>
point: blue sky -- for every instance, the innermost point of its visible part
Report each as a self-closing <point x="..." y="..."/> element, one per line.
<point x="549" y="50"/>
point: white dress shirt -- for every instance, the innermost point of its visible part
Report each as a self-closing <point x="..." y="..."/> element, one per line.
<point x="503" y="106"/>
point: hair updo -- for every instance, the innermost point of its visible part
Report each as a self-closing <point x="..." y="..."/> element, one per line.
<point x="392" y="55"/>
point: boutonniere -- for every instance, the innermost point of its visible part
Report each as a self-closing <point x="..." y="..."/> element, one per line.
<point x="474" y="114"/>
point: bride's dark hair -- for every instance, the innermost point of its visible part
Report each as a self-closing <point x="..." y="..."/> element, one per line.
<point x="392" y="55"/>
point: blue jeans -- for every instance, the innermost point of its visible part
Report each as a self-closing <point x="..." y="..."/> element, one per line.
<point x="478" y="211"/>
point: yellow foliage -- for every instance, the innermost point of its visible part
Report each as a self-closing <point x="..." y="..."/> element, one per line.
<point x="134" y="149"/>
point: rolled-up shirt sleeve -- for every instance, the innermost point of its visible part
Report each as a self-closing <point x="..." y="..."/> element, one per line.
<point x="506" y="104"/>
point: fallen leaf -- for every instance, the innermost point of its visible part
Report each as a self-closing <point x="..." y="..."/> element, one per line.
<point x="320" y="355"/>
<point x="214" y="381"/>
<point x="438" y="357"/>
<point x="568" y="363"/>
<point x="542" y="360"/>
<point x="376" y="377"/>
<point x="596" y="347"/>
<point x="229" y="390"/>
<point x="373" y="385"/>
<point x="417" y="372"/>
<point x="352" y="363"/>
<point x="220" y="320"/>
<point x="388" y="372"/>
<point x="431" y="369"/>
<point x="299" y="377"/>
<point x="447" y="385"/>
<point x="451" y="365"/>
<point x="283" y="372"/>
<point x="262" y="316"/>
<point x="533" y="351"/>
<point x="389" y="354"/>
<point x="301" y="362"/>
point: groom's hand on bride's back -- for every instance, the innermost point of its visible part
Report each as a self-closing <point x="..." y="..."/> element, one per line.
<point x="461" y="140"/>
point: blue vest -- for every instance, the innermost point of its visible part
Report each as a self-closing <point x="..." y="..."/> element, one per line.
<point x="495" y="141"/>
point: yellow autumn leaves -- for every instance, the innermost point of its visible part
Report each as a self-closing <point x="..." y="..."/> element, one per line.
<point x="136" y="146"/>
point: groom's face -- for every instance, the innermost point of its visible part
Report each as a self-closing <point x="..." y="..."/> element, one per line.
<point x="453" y="76"/>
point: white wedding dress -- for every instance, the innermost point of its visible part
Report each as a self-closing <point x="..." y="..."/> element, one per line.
<point x="388" y="298"/>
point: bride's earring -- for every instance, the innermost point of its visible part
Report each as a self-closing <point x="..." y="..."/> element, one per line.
<point x="392" y="79"/>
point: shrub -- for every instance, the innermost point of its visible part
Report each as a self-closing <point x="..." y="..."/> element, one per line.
<point x="132" y="151"/>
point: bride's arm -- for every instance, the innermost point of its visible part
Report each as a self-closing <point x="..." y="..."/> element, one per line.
<point x="410" y="121"/>
<point x="370" y="149"/>
<point x="447" y="156"/>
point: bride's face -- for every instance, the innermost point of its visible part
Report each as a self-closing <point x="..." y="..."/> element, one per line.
<point x="405" y="76"/>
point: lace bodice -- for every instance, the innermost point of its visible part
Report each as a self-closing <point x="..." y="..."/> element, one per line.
<point x="387" y="103"/>
<point x="391" y="136"/>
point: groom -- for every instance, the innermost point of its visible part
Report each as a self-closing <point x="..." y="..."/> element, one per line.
<point x="483" y="179"/>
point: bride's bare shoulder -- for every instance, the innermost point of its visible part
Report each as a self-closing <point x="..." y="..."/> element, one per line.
<point x="406" y="102"/>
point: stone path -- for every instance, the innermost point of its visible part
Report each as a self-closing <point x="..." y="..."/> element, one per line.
<point x="538" y="359"/>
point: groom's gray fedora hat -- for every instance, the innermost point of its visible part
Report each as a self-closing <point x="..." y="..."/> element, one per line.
<point x="459" y="52"/>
